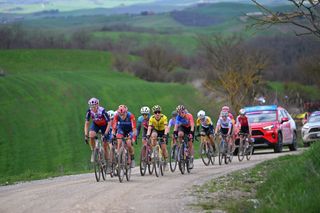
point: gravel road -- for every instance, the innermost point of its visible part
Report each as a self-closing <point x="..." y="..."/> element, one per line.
<point x="81" y="193"/>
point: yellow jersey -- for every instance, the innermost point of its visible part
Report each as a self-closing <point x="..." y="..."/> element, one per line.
<point x="160" y="124"/>
<point x="204" y="123"/>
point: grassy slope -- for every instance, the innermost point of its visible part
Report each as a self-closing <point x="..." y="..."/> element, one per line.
<point x="43" y="103"/>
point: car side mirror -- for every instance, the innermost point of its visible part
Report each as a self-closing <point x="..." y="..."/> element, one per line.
<point x="284" y="120"/>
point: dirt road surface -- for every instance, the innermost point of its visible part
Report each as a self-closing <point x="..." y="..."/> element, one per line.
<point x="81" y="193"/>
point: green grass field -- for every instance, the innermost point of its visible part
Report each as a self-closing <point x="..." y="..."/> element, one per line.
<point x="44" y="100"/>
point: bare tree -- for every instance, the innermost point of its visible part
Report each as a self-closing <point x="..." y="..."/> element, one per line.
<point x="233" y="68"/>
<point x="305" y="15"/>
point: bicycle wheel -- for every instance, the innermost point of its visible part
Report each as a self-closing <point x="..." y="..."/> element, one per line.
<point x="211" y="153"/>
<point x="249" y="151"/>
<point x="221" y="151"/>
<point x="173" y="158"/>
<point x="103" y="164"/>
<point x="128" y="166"/>
<point x="181" y="161"/>
<point x="96" y="165"/>
<point x="156" y="162"/>
<point x="204" y="154"/>
<point x="111" y="162"/>
<point x="121" y="164"/>
<point x="143" y="161"/>
<point x="225" y="153"/>
<point x="240" y="151"/>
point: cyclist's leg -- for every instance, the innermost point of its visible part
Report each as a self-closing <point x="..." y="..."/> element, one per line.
<point x="119" y="136"/>
<point x="163" y="145"/>
<point x="144" y="137"/>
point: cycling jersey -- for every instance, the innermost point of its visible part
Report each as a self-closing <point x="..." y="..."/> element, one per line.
<point x="142" y="122"/>
<point x="205" y="123"/>
<point x="226" y="124"/>
<point x="126" y="125"/>
<point x="160" y="124"/>
<point x="99" y="118"/>
<point x="186" y="121"/>
<point x="242" y="120"/>
<point x="172" y="122"/>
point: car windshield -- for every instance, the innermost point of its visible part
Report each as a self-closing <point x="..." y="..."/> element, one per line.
<point x="314" y="119"/>
<point x="262" y="116"/>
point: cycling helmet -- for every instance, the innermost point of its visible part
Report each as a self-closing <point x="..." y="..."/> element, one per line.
<point x="242" y="111"/>
<point x="156" y="108"/>
<point x="145" y="110"/>
<point x="224" y="114"/>
<point x="180" y="108"/>
<point x="111" y="114"/>
<point x="122" y="109"/>
<point x="93" y="101"/>
<point x="174" y="113"/>
<point x="225" y="108"/>
<point x="201" y="114"/>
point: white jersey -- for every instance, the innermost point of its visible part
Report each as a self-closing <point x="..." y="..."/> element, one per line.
<point x="226" y="124"/>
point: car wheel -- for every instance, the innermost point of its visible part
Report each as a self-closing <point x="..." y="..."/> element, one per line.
<point x="293" y="146"/>
<point x="278" y="145"/>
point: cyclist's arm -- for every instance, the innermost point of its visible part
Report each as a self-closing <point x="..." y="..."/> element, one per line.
<point x="86" y="127"/>
<point x="191" y="123"/>
<point x="229" y="127"/>
<point x="86" y="124"/>
<point x="106" y="116"/>
<point x="114" y="124"/>
<point x="133" y="124"/>
<point x="218" y="127"/>
<point x="165" y="125"/>
<point x="138" y="126"/>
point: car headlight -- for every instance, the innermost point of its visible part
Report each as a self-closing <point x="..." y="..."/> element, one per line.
<point x="268" y="127"/>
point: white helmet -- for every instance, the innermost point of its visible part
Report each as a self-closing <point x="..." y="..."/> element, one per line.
<point x="145" y="110"/>
<point x="93" y="101"/>
<point x="242" y="111"/>
<point x="111" y="114"/>
<point x="201" y="114"/>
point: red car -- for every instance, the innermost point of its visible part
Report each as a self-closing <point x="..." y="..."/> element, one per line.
<point x="272" y="127"/>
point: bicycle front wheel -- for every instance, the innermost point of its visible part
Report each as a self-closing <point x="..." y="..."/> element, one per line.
<point x="143" y="161"/>
<point x="156" y="162"/>
<point x="96" y="165"/>
<point x="128" y="167"/>
<point x="204" y="154"/>
<point x="181" y="162"/>
<point x="173" y="158"/>
<point x="240" y="151"/>
<point x="249" y="151"/>
<point x="122" y="162"/>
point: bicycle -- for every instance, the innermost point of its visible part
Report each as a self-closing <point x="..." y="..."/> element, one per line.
<point x="124" y="161"/>
<point x="224" y="153"/>
<point x="206" y="151"/>
<point x="245" y="149"/>
<point x="157" y="158"/>
<point x="184" y="159"/>
<point x="145" y="159"/>
<point x="99" y="163"/>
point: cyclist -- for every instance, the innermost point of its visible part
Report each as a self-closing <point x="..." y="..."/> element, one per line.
<point x="101" y="121"/>
<point x="206" y="125"/>
<point x="232" y="135"/>
<point x="158" y="123"/>
<point x="171" y="123"/>
<point x="124" y="125"/>
<point x="243" y="124"/>
<point x="143" y="122"/>
<point x="184" y="126"/>
<point x="224" y="125"/>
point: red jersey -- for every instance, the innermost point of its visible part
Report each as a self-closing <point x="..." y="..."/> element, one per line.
<point x="243" y="120"/>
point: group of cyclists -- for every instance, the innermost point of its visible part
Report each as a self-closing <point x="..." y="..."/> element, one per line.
<point x="153" y="124"/>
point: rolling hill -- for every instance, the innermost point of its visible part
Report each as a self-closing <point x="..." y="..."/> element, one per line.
<point x="43" y="103"/>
